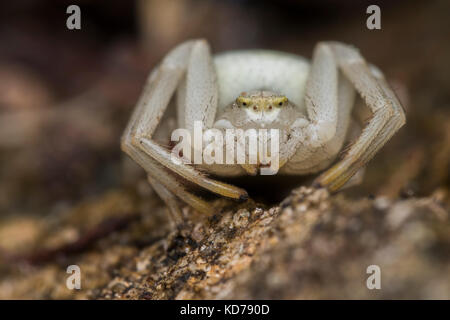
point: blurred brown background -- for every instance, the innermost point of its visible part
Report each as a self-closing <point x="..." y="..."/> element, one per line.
<point x="65" y="96"/>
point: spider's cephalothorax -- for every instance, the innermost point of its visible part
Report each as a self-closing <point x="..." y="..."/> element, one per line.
<point x="310" y="102"/>
<point x="260" y="109"/>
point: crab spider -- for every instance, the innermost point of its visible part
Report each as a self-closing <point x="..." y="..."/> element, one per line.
<point x="310" y="102"/>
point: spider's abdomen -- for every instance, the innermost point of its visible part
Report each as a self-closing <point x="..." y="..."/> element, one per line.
<point x="240" y="71"/>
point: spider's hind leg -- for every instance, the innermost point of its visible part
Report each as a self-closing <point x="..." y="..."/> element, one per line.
<point x="169" y="199"/>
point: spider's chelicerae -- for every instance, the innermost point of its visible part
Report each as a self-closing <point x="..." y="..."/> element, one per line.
<point x="311" y="102"/>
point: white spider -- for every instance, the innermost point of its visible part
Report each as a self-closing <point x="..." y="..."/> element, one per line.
<point x="310" y="102"/>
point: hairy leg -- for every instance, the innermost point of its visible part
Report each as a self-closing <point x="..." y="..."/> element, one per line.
<point x="329" y="98"/>
<point x="194" y="58"/>
<point x="388" y="116"/>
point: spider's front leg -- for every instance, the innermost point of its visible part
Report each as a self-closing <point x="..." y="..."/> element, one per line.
<point x="192" y="59"/>
<point x="388" y="115"/>
<point x="329" y="99"/>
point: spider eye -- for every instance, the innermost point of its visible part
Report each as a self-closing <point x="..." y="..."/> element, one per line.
<point x="242" y="101"/>
<point x="282" y="101"/>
